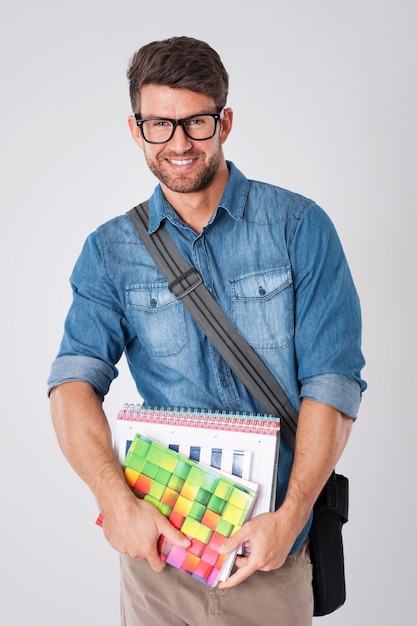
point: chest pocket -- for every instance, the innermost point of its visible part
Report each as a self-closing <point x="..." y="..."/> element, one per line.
<point x="262" y="307"/>
<point x="158" y="318"/>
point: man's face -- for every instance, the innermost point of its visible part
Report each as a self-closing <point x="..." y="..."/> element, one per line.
<point x="182" y="165"/>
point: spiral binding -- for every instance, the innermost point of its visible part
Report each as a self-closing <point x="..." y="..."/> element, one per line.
<point x="202" y="418"/>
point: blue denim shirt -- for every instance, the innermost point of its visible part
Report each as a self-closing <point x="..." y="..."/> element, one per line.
<point x="274" y="263"/>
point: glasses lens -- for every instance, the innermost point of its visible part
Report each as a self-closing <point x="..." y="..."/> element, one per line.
<point x="197" y="127"/>
<point x="157" y="131"/>
<point x="200" y="126"/>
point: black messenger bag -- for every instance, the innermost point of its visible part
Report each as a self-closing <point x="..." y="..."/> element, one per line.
<point x="326" y="545"/>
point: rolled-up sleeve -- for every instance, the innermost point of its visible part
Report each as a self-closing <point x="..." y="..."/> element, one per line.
<point x="336" y="390"/>
<point x="328" y="316"/>
<point x="96" y="329"/>
<point x="88" y="369"/>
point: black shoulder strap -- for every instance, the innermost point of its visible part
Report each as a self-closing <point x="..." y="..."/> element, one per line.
<point x="187" y="285"/>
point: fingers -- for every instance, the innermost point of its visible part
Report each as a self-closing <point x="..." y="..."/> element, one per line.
<point x="245" y="570"/>
<point x="155" y="562"/>
<point x="236" y="540"/>
<point x="168" y="535"/>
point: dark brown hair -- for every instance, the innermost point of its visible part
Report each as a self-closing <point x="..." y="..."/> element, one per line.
<point x="181" y="63"/>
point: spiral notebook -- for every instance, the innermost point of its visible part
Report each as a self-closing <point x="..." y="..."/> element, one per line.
<point x="224" y="472"/>
<point x="241" y="444"/>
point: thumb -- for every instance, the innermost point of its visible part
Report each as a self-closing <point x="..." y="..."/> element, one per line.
<point x="173" y="535"/>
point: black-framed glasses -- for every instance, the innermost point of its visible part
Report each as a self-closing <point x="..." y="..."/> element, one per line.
<point x="162" y="129"/>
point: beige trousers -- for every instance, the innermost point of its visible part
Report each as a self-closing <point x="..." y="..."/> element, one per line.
<point x="282" y="597"/>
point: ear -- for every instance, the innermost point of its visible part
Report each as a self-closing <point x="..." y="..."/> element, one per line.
<point x="135" y="131"/>
<point x="226" y="124"/>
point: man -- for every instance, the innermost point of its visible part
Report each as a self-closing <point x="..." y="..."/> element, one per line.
<point x="273" y="261"/>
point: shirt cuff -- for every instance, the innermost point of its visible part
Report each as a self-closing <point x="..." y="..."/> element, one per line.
<point x="336" y="390"/>
<point x="88" y="369"/>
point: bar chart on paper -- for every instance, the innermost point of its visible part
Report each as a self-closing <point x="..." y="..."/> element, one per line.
<point x="242" y="444"/>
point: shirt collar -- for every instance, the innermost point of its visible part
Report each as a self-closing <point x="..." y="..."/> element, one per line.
<point x="233" y="200"/>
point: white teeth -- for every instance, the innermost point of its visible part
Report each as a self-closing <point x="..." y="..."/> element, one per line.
<point x="174" y="162"/>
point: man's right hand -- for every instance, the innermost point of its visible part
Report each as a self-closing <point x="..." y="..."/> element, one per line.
<point x="135" y="528"/>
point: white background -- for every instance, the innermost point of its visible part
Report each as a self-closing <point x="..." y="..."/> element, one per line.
<point x="334" y="86"/>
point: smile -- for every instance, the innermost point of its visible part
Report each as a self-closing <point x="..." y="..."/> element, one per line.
<point x="181" y="163"/>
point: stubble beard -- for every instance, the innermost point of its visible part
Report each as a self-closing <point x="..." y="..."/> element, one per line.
<point x="184" y="183"/>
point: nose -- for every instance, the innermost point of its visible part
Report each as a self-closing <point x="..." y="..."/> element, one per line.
<point x="180" y="142"/>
